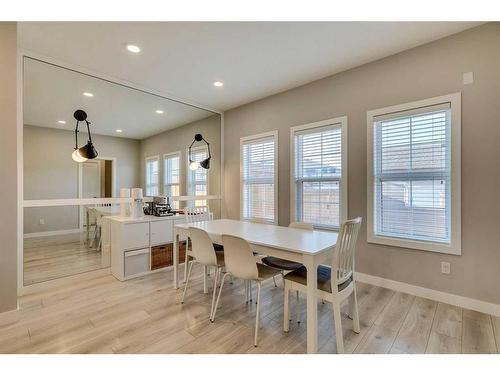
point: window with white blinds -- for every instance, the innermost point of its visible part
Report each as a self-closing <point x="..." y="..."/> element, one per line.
<point x="152" y="175"/>
<point x="171" y="173"/>
<point x="412" y="174"/>
<point x="259" y="177"/>
<point x="198" y="179"/>
<point x="318" y="195"/>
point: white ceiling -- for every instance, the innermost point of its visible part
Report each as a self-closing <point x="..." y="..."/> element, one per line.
<point x="253" y="59"/>
<point x="52" y="94"/>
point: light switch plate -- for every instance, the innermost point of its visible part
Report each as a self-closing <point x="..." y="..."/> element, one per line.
<point x="468" y="78"/>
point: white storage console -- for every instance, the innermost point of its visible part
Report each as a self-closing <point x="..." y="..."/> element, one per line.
<point x="132" y="239"/>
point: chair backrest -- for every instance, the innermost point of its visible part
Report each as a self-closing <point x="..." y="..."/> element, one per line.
<point x="200" y="213"/>
<point x="238" y="258"/>
<point x="202" y="247"/>
<point x="301" y="225"/>
<point x="343" y="254"/>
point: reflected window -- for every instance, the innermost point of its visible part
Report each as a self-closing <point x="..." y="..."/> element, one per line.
<point x="152" y="173"/>
<point x="198" y="179"/>
<point x="171" y="172"/>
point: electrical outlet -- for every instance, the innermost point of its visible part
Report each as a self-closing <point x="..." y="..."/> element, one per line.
<point x="42" y="221"/>
<point x="445" y="268"/>
<point x="468" y="78"/>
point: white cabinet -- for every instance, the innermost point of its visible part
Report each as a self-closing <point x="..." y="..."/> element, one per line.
<point x="161" y="232"/>
<point x="135" y="235"/>
<point x="132" y="239"/>
<point x="136" y="262"/>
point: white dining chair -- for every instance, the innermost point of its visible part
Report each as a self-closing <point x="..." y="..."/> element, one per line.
<point x="192" y="215"/>
<point x="336" y="282"/>
<point x="241" y="263"/>
<point x="204" y="253"/>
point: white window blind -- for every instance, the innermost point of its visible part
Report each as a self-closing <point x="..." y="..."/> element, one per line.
<point x="318" y="174"/>
<point x="152" y="173"/>
<point x="258" y="157"/>
<point x="198" y="179"/>
<point x="171" y="170"/>
<point x="412" y="174"/>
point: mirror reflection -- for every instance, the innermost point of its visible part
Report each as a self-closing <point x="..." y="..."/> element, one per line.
<point x="142" y="141"/>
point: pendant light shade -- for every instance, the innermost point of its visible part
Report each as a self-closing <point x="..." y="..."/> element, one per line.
<point x="205" y="163"/>
<point x="194" y="165"/>
<point x="88" y="151"/>
<point x="82" y="154"/>
<point x="77" y="157"/>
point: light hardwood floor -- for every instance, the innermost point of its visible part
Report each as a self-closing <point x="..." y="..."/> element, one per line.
<point x="53" y="257"/>
<point x="144" y="315"/>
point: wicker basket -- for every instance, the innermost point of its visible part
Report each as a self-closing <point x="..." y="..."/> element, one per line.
<point x="163" y="255"/>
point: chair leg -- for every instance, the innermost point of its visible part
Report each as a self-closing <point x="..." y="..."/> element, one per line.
<point x="286" y="308"/>
<point x="186" y="260"/>
<point x="250" y="290"/>
<point x="212" y="319"/>
<point x="205" y="279"/>
<point x="246" y="291"/>
<point x="216" y="278"/>
<point x="274" y="279"/>
<point x="338" y="326"/>
<point x="187" y="281"/>
<point x="353" y="310"/>
<point x="257" y="316"/>
<point x="297" y="307"/>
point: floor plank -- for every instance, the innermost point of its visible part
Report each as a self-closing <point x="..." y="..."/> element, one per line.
<point x="478" y="336"/>
<point x="415" y="332"/>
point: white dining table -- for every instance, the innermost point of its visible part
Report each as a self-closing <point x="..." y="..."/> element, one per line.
<point x="310" y="248"/>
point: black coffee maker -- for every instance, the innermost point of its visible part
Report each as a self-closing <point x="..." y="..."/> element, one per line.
<point x="160" y="206"/>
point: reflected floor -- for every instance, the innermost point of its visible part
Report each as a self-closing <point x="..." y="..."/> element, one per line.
<point x="53" y="257"/>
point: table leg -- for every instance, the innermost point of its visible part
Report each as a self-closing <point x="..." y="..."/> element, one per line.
<point x="176" y="259"/>
<point x="312" y="307"/>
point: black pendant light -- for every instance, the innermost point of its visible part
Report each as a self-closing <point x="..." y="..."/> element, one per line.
<point x="193" y="165"/>
<point x="88" y="151"/>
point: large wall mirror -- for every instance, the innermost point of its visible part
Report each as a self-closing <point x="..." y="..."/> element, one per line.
<point x="142" y="140"/>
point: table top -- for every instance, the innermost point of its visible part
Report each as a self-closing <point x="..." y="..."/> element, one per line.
<point x="283" y="238"/>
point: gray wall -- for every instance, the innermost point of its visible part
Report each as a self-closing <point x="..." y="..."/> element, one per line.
<point x="8" y="166"/>
<point x="50" y="173"/>
<point x="179" y="139"/>
<point x="423" y="72"/>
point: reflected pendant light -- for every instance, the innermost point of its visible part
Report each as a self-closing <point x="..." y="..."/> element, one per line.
<point x="194" y="165"/>
<point x="88" y="151"/>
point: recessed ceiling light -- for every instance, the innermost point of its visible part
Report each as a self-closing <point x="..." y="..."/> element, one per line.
<point x="119" y="131"/>
<point x="133" y="48"/>
<point x="218" y="84"/>
<point x="89" y="94"/>
<point x="159" y="111"/>
<point x="61" y="122"/>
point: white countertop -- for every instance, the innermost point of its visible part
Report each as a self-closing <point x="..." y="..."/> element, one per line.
<point x="144" y="219"/>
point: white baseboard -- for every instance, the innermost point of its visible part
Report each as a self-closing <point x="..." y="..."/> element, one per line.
<point x="436" y="295"/>
<point x="52" y="233"/>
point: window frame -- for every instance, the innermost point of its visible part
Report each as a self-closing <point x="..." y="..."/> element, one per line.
<point x="455" y="245"/>
<point x="274" y="134"/>
<point x="342" y="122"/>
<point x="190" y="173"/>
<point x="165" y="157"/>
<point x="148" y="158"/>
